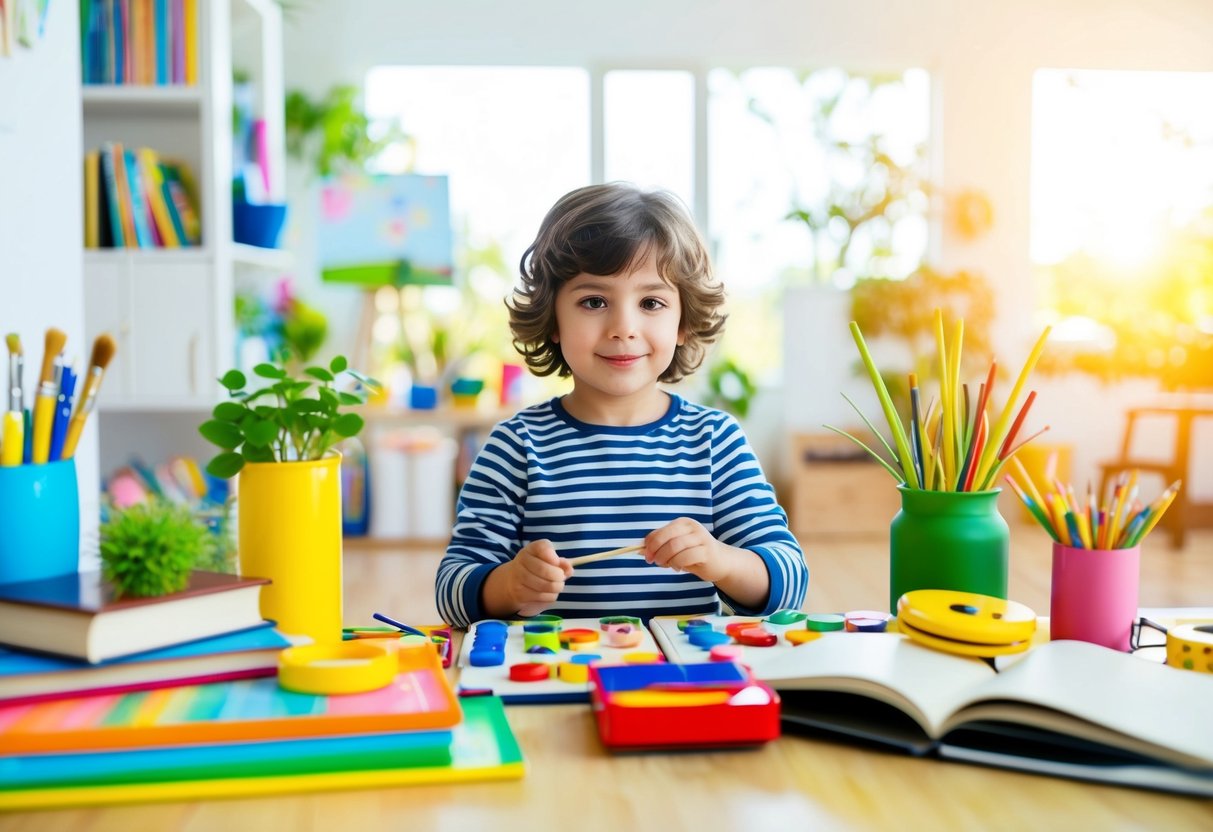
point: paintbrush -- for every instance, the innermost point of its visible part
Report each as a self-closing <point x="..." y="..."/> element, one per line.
<point x="103" y="351"/>
<point x="48" y="394"/>
<point x="624" y="550"/>
<point x="12" y="451"/>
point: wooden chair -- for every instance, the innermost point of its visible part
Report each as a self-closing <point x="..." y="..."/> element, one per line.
<point x="1183" y="513"/>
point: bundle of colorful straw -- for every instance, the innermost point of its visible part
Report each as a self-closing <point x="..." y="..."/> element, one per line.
<point x="955" y="447"/>
<point x="1119" y="522"/>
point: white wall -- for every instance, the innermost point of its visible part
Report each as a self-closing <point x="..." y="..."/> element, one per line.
<point x="40" y="215"/>
<point x="981" y="54"/>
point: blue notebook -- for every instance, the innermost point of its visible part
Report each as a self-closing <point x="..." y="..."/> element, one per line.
<point x="32" y="677"/>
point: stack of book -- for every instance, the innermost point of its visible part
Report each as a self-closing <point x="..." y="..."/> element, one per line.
<point x="139" y="41"/>
<point x="106" y="701"/>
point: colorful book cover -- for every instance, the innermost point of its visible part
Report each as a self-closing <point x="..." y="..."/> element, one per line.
<point x="122" y="187"/>
<point x="109" y="183"/>
<point x="482" y="748"/>
<point x="191" y="41"/>
<point x="33" y="677"/>
<point x="92" y="199"/>
<point x="153" y="180"/>
<point x="143" y="234"/>
<point x="420" y="698"/>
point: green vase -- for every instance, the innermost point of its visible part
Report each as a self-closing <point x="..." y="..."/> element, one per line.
<point x="948" y="540"/>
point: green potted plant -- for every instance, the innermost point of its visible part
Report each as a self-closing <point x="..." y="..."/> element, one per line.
<point x="279" y="439"/>
<point x="332" y="133"/>
<point x="149" y="549"/>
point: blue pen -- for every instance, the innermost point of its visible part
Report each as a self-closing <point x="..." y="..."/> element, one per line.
<point x="404" y="628"/>
<point x="63" y="412"/>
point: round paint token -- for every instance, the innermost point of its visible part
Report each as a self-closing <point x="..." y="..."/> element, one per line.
<point x="866" y="625"/>
<point x="707" y="638"/>
<point x="691" y="623"/>
<point x="824" y="622"/>
<point x="577" y="638"/>
<point x="642" y="658"/>
<point x="782" y="617"/>
<point x="756" y="637"/>
<point x="545" y="618"/>
<point x="735" y="627"/>
<point x="622" y="635"/>
<point x="725" y="653"/>
<point x="608" y="620"/>
<point x="883" y="616"/>
<point x="586" y="658"/>
<point x="801" y="636"/>
<point x="530" y="672"/>
<point x="574" y="673"/>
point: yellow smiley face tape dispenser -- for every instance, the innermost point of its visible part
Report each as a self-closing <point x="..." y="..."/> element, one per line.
<point x="965" y="623"/>
<point x="345" y="667"/>
<point x="1190" y="646"/>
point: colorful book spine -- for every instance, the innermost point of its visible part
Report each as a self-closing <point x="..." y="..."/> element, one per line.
<point x="113" y="209"/>
<point x="92" y="199"/>
<point x="143" y="234"/>
<point x="153" y="181"/>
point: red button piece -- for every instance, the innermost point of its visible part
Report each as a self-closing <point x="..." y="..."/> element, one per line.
<point x="756" y="637"/>
<point x="530" y="672"/>
<point x="735" y="627"/>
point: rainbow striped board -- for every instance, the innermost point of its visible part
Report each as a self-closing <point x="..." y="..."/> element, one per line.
<point x="420" y="698"/>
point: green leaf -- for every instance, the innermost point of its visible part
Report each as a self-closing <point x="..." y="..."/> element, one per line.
<point x="306" y="406"/>
<point x="269" y="371"/>
<point x="229" y="412"/>
<point x="233" y="380"/>
<point x="225" y="465"/>
<point x="261" y="433"/>
<point x="329" y="397"/>
<point x="224" y="434"/>
<point x="320" y="373"/>
<point x="347" y="424"/>
<point x="262" y="453"/>
<point x="338" y="364"/>
<point x="350" y="398"/>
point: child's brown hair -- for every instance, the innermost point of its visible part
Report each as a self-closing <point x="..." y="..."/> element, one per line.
<point x="605" y="230"/>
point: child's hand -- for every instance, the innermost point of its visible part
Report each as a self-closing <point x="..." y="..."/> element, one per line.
<point x="535" y="577"/>
<point x="684" y="545"/>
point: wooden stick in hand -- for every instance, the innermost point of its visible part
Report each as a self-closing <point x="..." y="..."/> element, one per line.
<point x="625" y="550"/>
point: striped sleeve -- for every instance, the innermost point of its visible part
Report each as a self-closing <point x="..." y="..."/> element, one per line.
<point x="746" y="515"/>
<point x="487" y="526"/>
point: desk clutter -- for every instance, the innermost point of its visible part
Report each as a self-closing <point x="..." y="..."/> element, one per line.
<point x="249" y="713"/>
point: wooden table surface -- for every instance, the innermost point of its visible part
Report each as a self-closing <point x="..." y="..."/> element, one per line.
<point x="792" y="784"/>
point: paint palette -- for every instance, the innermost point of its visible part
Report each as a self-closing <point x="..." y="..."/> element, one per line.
<point x="753" y="641"/>
<point x="547" y="660"/>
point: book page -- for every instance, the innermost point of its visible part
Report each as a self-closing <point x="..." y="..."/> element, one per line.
<point x="1109" y="697"/>
<point x="925" y="683"/>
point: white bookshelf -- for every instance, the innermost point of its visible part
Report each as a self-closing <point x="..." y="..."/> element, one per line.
<point x="170" y="310"/>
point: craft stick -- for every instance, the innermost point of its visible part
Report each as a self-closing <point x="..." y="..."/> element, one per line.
<point x="945" y="447"/>
<point x="916" y="429"/>
<point x="623" y="550"/>
<point x="1016" y="425"/>
<point x="958" y="334"/>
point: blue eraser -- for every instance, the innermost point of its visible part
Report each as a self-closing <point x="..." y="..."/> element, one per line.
<point x="486" y="658"/>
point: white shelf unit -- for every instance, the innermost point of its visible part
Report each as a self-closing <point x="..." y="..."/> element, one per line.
<point x="171" y="310"/>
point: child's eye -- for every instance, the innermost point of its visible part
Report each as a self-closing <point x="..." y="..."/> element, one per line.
<point x="593" y="303"/>
<point x="652" y="304"/>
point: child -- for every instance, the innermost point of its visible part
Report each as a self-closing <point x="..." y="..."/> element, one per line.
<point x="617" y="291"/>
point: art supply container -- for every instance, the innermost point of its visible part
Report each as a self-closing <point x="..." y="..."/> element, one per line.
<point x="1094" y="596"/>
<point x="40" y="531"/>
<point x="948" y="540"/>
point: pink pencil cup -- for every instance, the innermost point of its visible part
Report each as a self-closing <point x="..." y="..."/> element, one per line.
<point x="1094" y="595"/>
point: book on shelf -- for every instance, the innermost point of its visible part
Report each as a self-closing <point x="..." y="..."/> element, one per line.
<point x="419" y="699"/>
<point x="138" y="200"/>
<point x="481" y="747"/>
<point x="151" y="42"/>
<point x="92" y="199"/>
<point x="1065" y="708"/>
<point x="79" y="615"/>
<point x="34" y="677"/>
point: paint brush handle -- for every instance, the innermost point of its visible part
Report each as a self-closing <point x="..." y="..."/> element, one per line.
<point x="624" y="550"/>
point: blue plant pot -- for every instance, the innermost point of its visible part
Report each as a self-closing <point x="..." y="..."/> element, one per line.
<point x="258" y="225"/>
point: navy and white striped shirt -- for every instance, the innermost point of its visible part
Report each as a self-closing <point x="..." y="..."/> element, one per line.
<point x="588" y="488"/>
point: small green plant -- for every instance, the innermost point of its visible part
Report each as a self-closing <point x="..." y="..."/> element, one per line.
<point x="149" y="549"/>
<point x="290" y="419"/>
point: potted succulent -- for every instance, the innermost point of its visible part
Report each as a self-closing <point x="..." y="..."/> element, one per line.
<point x="279" y="440"/>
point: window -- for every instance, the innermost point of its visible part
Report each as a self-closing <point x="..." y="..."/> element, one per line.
<point x="1121" y="223"/>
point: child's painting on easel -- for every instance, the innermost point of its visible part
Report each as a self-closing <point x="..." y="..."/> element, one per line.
<point x="385" y="230"/>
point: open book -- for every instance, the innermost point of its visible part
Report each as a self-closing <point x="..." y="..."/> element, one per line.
<point x="1066" y="708"/>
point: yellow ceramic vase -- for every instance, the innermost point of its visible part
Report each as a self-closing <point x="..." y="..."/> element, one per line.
<point x="290" y="532"/>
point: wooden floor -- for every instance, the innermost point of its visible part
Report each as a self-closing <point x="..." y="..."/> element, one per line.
<point x="846" y="573"/>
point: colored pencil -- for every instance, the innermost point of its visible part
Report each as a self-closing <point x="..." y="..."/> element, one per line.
<point x="623" y="550"/>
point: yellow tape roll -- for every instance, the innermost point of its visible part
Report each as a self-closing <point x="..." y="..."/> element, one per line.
<point x="349" y="667"/>
<point x="1190" y="646"/>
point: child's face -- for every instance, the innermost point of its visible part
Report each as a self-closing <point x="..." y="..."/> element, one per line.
<point x="618" y="333"/>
